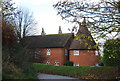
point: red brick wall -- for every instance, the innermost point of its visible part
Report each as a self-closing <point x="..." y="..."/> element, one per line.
<point x="57" y="54"/>
<point x="85" y="58"/>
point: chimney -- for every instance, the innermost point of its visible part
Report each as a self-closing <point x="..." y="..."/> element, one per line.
<point x="59" y="31"/>
<point x="43" y="32"/>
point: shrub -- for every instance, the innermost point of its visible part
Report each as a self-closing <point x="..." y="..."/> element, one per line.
<point x="15" y="58"/>
<point x="69" y="63"/>
<point x="16" y="65"/>
<point x="101" y="61"/>
<point x="112" y="52"/>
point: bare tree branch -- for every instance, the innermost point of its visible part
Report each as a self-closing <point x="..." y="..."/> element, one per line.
<point x="24" y="23"/>
<point x="102" y="16"/>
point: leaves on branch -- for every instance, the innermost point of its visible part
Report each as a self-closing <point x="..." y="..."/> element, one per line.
<point x="102" y="16"/>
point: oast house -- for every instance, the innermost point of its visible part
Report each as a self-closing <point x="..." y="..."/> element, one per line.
<point x="56" y="49"/>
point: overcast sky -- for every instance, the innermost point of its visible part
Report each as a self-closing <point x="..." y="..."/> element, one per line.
<point x="45" y="15"/>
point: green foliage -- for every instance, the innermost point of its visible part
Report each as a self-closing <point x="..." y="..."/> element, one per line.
<point x="82" y="72"/>
<point x="16" y="64"/>
<point x="101" y="61"/>
<point x="112" y="53"/>
<point x="9" y="38"/>
<point x="15" y="58"/>
<point x="69" y="63"/>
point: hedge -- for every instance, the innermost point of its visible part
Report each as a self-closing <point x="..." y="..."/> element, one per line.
<point x="81" y="72"/>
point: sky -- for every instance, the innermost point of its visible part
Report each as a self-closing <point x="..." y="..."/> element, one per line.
<point x="45" y="15"/>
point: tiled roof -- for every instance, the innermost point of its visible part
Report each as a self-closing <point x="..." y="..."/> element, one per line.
<point x="82" y="45"/>
<point x="84" y="40"/>
<point x="49" y="41"/>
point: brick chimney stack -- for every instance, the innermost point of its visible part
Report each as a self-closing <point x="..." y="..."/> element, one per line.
<point x="59" y="31"/>
<point x="43" y="32"/>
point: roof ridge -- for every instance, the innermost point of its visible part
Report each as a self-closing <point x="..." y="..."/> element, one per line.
<point x="55" y="40"/>
<point x="58" y="34"/>
<point x="49" y="35"/>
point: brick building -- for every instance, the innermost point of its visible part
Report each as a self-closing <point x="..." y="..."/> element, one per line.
<point x="59" y="48"/>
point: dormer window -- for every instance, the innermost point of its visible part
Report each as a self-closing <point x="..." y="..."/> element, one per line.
<point x="48" y="51"/>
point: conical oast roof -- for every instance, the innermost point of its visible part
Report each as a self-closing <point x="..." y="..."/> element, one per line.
<point x="83" y="39"/>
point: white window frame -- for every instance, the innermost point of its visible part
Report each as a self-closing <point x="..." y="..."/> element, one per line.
<point x="48" y="52"/>
<point x="76" y="52"/>
<point x="96" y="64"/>
<point x="76" y="64"/>
<point x="96" y="53"/>
<point x="66" y="52"/>
<point x="56" y="63"/>
<point x="48" y="62"/>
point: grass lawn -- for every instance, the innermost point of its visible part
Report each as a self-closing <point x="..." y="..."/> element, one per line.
<point x="81" y="72"/>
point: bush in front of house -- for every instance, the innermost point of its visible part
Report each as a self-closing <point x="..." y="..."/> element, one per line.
<point x="69" y="63"/>
<point x="112" y="52"/>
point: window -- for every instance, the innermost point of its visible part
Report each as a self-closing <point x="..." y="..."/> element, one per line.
<point x="37" y="52"/>
<point x="76" y="52"/>
<point x="48" y="52"/>
<point x="66" y="52"/>
<point x="56" y="63"/>
<point x="76" y="64"/>
<point x="48" y="62"/>
<point x="97" y="65"/>
<point x="96" y="52"/>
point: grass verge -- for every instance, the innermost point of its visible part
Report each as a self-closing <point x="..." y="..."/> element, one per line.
<point x="81" y="72"/>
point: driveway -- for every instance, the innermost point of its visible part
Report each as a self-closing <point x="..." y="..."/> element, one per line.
<point x="46" y="77"/>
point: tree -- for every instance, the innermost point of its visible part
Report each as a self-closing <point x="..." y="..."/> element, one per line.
<point x="112" y="52"/>
<point x="24" y="23"/>
<point x="22" y="19"/>
<point x="102" y="16"/>
<point x="15" y="58"/>
<point x="8" y="11"/>
<point x="8" y="35"/>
